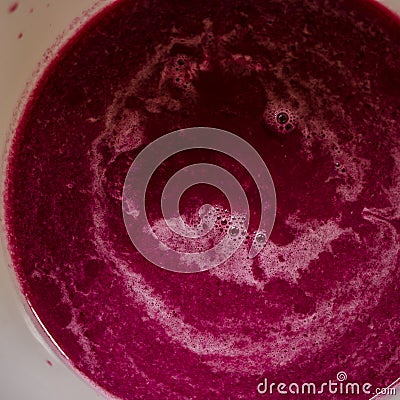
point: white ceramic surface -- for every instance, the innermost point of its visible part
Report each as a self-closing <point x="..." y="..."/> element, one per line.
<point x="25" y="357"/>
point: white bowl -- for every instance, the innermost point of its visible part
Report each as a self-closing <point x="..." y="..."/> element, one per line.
<point x="29" y="366"/>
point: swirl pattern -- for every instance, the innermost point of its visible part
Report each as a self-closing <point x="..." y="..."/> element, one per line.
<point x="300" y="82"/>
<point x="144" y="165"/>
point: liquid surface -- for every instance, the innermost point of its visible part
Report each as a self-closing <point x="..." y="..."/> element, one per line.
<point x="315" y="88"/>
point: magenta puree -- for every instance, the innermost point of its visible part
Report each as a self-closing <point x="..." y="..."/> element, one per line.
<point x="322" y="297"/>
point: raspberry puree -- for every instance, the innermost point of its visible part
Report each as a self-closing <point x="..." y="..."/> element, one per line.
<point x="315" y="88"/>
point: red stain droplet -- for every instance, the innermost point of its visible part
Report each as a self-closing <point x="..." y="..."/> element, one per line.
<point x="49" y="362"/>
<point x="20" y="35"/>
<point x="12" y="7"/>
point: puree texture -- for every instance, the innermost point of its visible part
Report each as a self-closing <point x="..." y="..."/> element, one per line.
<point x="323" y="295"/>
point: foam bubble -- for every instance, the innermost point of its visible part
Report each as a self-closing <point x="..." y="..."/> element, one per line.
<point x="280" y="118"/>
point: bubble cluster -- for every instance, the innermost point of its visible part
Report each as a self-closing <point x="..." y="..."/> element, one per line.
<point x="280" y="119"/>
<point x="179" y="74"/>
<point x="143" y="168"/>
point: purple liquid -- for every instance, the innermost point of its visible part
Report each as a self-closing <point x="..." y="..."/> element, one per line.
<point x="322" y="297"/>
